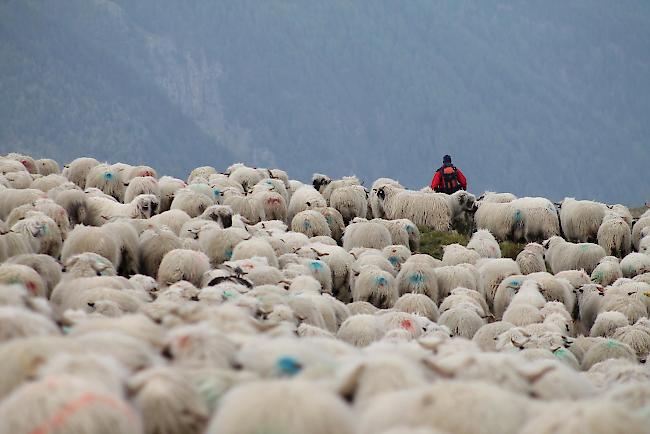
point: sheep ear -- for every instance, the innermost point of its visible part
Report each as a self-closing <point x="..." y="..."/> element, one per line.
<point x="347" y="388"/>
<point x="534" y="373"/>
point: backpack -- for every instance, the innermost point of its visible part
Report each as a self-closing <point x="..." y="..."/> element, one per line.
<point x="450" y="182"/>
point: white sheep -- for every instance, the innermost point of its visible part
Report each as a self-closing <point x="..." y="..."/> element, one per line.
<point x="635" y="264"/>
<point x="535" y="219"/>
<point x="498" y="218"/>
<point x="607" y="271"/>
<point x="311" y="223"/>
<point x="47" y="166"/>
<point x="561" y="255"/>
<point x="484" y="243"/>
<point x="77" y="170"/>
<point x="142" y="185"/>
<point x="418" y="278"/>
<point x="614" y="235"/>
<point x="375" y="286"/>
<point x="191" y="202"/>
<point x="581" y="219"/>
<point x="455" y="254"/>
<point x="350" y="201"/>
<point x="430" y="210"/>
<point x="181" y="264"/>
<point x="366" y="234"/>
<point x="374" y="201"/>
<point x="306" y="197"/>
<point x="91" y="239"/>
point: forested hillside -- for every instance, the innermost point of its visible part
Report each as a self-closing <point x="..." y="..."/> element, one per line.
<point x="538" y="98"/>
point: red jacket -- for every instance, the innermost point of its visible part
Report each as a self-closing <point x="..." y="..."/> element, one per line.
<point x="437" y="179"/>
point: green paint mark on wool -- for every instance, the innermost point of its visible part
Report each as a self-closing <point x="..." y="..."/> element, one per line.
<point x="560" y="353"/>
<point x="583" y="247"/>
<point x="597" y="277"/>
<point x="227" y="293"/>
<point x="518" y="216"/>
<point x="329" y="219"/>
<point x="611" y="343"/>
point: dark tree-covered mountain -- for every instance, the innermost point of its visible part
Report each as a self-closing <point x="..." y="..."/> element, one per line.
<point x="538" y="98"/>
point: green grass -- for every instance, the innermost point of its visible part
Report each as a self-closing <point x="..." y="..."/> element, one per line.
<point x="432" y="242"/>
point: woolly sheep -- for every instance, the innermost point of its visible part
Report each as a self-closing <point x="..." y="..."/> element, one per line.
<point x="19" y="323"/>
<point x="181" y="264"/>
<point x="374" y="201"/>
<point x="142" y="185"/>
<point x="325" y="413"/>
<point x="455" y="254"/>
<point x="75" y="204"/>
<point x="375" y="286"/>
<point x="614" y="235"/>
<point x="581" y="219"/>
<point x="430" y="210"/>
<point x="311" y="223"/>
<point x="498" y="218"/>
<point x="492" y="272"/>
<point x="635" y="264"/>
<point x="561" y="255"/>
<point x="24" y="276"/>
<point x="492" y="197"/>
<point x="255" y="247"/>
<point x="107" y="179"/>
<point x="142" y="207"/>
<point x="636" y="337"/>
<point x="418" y="278"/>
<point x="329" y="186"/>
<point x="191" y="202"/>
<point x="46" y="183"/>
<point x="366" y="234"/>
<point x="396" y="254"/>
<point x="461" y="322"/>
<point x="486" y="336"/>
<point x="607" y="271"/>
<point x="42" y="232"/>
<point x="304" y="198"/>
<point x="168" y="188"/>
<point x="535" y="219"/>
<point x="47" y="166"/>
<point x="638" y="230"/>
<point x="444" y="405"/>
<point x="87" y="264"/>
<point x="350" y="201"/>
<point x="11" y="198"/>
<point x="334" y="221"/>
<point x="484" y="243"/>
<point x="606" y="324"/>
<point x="418" y="304"/>
<point x="91" y="239"/>
<point x="66" y="404"/>
<point x="46" y="266"/>
<point x="607" y="349"/>
<point x="167" y="401"/>
<point x="451" y="277"/>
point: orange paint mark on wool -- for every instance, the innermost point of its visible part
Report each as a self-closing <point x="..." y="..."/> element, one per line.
<point x="61" y="417"/>
<point x="406" y="324"/>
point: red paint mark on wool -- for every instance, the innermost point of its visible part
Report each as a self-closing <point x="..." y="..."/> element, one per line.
<point x="406" y="324"/>
<point x="60" y="417"/>
<point x="273" y="200"/>
<point x="31" y="287"/>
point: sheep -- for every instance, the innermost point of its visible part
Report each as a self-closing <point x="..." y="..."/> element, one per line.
<point x="24" y="276"/>
<point x="455" y="254"/>
<point x="561" y="255"/>
<point x="255" y="247"/>
<point x="273" y="204"/>
<point x="636" y="337"/>
<point x="462" y="322"/>
<point x="644" y="244"/>
<point x="75" y="203"/>
<point x="19" y="180"/>
<point x="91" y="239"/>
<point x="637" y="230"/>
<point x="430" y="210"/>
<point x="366" y="234"/>
<point x="451" y="277"/>
<point x="498" y="218"/>
<point x="329" y="186"/>
<point x="614" y="235"/>
<point x="18" y="323"/>
<point x="484" y="243"/>
<point x="11" y="198"/>
<point x="325" y="413"/>
<point x="311" y="223"/>
<point x="143" y="207"/>
<point x="27" y="162"/>
<point x="63" y="403"/>
<point x="492" y="272"/>
<point x="492" y="197"/>
<point x="607" y="271"/>
<point x="635" y="264"/>
<point x="486" y="336"/>
<point x="375" y="286"/>
<point x="418" y="304"/>
<point x="191" y="202"/>
<point x="623" y="212"/>
<point x="168" y="188"/>
<point x="142" y="185"/>
<point x="374" y="201"/>
<point x="607" y="349"/>
<point x="182" y="264"/>
<point x="396" y="255"/>
<point x="334" y="221"/>
<point x="47" y="183"/>
<point x="606" y="324"/>
<point x="252" y="210"/>
<point x="340" y="262"/>
<point x="350" y="201"/>
<point x="42" y="232"/>
<point x="444" y="405"/>
<point x="107" y="179"/>
<point x="304" y="198"/>
<point x="535" y="219"/>
<point x="581" y="219"/>
<point x="47" y="166"/>
<point x="87" y="264"/>
<point x="46" y="266"/>
<point x="462" y="205"/>
<point x="247" y="177"/>
<point x="167" y="401"/>
<point x="77" y="170"/>
<point x="418" y="278"/>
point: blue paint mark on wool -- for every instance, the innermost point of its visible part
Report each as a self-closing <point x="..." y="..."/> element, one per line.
<point x="416" y="278"/>
<point x="228" y="253"/>
<point x="410" y="229"/>
<point x="518" y="216"/>
<point x="216" y="192"/>
<point x="394" y="260"/>
<point x="380" y="280"/>
<point x="287" y="365"/>
<point x="316" y="265"/>
<point x="329" y="219"/>
<point x="306" y="224"/>
<point x="108" y="176"/>
<point x="515" y="282"/>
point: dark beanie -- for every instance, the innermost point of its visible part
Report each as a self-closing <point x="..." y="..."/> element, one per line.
<point x="446" y="159"/>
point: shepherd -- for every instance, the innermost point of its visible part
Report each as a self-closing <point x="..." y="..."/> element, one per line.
<point x="448" y="178"/>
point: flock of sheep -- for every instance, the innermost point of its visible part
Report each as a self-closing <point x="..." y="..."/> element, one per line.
<point x="245" y="302"/>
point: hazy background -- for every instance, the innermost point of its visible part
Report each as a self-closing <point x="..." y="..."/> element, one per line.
<point x="544" y="98"/>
